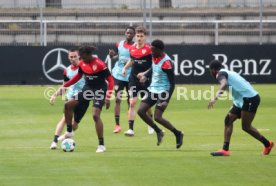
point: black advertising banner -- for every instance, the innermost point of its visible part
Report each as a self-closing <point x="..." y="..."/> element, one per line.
<point x="45" y="65"/>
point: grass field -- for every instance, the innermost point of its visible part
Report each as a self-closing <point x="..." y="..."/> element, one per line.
<point x="28" y="122"/>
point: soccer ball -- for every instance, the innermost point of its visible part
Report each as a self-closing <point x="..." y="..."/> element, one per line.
<point x="68" y="145"/>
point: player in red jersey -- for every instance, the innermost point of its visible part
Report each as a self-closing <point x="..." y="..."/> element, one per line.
<point x="96" y="74"/>
<point x="140" y="54"/>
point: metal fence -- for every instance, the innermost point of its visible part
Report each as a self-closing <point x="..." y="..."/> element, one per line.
<point x="70" y="22"/>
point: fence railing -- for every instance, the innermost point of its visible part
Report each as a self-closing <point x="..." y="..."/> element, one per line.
<point x="58" y="32"/>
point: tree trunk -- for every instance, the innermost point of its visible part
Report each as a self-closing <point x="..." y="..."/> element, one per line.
<point x="165" y="3"/>
<point x="53" y="3"/>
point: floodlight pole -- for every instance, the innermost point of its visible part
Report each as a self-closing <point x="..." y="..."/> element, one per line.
<point x="144" y="14"/>
<point x="261" y="22"/>
<point x="39" y="2"/>
<point x="150" y="23"/>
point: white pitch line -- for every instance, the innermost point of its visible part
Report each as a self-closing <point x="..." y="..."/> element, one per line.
<point x="263" y="129"/>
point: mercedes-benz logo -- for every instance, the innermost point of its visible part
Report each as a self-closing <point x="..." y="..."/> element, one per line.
<point x="57" y="65"/>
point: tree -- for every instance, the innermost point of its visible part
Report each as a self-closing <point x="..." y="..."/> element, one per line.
<point x="53" y="3"/>
<point x="165" y="3"/>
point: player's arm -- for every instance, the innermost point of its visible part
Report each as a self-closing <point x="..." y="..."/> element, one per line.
<point x="113" y="54"/>
<point x="58" y="92"/>
<point x="222" y="78"/>
<point x="167" y="67"/>
<point x="72" y="81"/>
<point x="143" y="76"/>
<point x="110" y="80"/>
<point x="128" y="64"/>
<point x="170" y="74"/>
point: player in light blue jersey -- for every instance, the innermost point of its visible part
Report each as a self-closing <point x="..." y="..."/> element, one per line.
<point x="160" y="91"/>
<point x="121" y="82"/>
<point x="79" y="112"/>
<point x="246" y="101"/>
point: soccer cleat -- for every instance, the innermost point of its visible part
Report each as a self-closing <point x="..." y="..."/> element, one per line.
<point x="65" y="135"/>
<point x="117" y="129"/>
<point x="179" y="140"/>
<point x="268" y="149"/>
<point x="53" y="145"/>
<point x="221" y="152"/>
<point x="150" y="130"/>
<point x="129" y="132"/>
<point x="160" y="136"/>
<point x="100" y="149"/>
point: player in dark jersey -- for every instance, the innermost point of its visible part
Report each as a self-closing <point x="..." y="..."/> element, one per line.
<point x="121" y="54"/>
<point x="96" y="74"/>
<point x="140" y="61"/>
<point x="160" y="92"/>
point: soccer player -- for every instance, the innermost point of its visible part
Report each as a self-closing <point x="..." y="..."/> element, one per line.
<point x="140" y="61"/>
<point x="95" y="89"/>
<point x="120" y="81"/>
<point x="69" y="72"/>
<point x="160" y="92"/>
<point x="246" y="101"/>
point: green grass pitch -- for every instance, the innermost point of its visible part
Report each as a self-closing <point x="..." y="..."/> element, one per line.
<point x="28" y="122"/>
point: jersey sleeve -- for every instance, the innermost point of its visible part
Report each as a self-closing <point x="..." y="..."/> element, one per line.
<point x="222" y="75"/>
<point x="74" y="79"/>
<point x="65" y="78"/>
<point x="167" y="65"/>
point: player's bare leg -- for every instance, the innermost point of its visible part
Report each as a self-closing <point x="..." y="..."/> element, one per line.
<point x="150" y="130"/>
<point x="228" y="130"/>
<point x="117" y="110"/>
<point x="142" y="112"/>
<point x="68" y="111"/>
<point x="96" y="112"/>
<point x="158" y="117"/>
<point x="131" y="116"/>
<point x="247" y="118"/>
<point x="59" y="129"/>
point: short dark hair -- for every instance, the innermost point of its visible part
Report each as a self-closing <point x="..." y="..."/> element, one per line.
<point x="140" y="29"/>
<point x="73" y="50"/>
<point x="86" y="50"/>
<point x="215" y="65"/>
<point x="159" y="44"/>
<point x="131" y="28"/>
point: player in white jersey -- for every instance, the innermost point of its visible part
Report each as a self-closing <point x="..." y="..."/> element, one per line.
<point x="79" y="112"/>
<point x="245" y="104"/>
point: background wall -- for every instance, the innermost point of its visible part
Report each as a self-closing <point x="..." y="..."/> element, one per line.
<point x="31" y="65"/>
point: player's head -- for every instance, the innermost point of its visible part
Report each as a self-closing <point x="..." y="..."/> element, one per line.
<point x="157" y="48"/>
<point x="86" y="52"/>
<point x="73" y="56"/>
<point x="129" y="33"/>
<point x="140" y="35"/>
<point x="214" y="67"/>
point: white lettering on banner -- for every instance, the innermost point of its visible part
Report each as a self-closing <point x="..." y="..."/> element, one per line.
<point x="246" y="67"/>
<point x="265" y="70"/>
<point x="175" y="61"/>
<point x="223" y="58"/>
<point x="199" y="67"/>
<point x="241" y="66"/>
<point x="236" y="66"/>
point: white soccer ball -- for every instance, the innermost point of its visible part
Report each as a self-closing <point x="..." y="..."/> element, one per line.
<point x="68" y="145"/>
